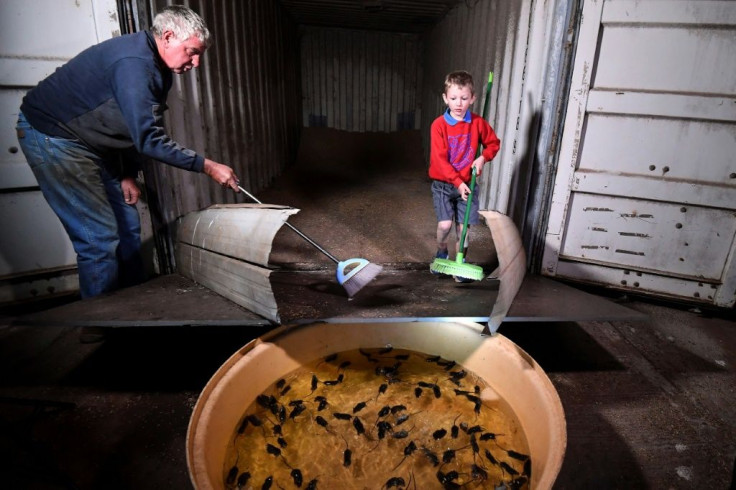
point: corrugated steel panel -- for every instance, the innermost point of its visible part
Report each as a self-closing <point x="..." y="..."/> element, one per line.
<point x="359" y="80"/>
<point x="241" y="107"/>
<point x="478" y="37"/>
<point x="348" y="79"/>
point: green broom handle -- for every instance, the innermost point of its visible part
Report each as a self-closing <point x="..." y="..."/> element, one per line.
<point x="472" y="178"/>
<point x="488" y="95"/>
<point x="468" y="205"/>
<point x="486" y="102"/>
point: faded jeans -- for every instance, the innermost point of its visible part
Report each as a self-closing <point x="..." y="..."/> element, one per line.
<point x="104" y="230"/>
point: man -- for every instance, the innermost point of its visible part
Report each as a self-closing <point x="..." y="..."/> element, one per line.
<point x="84" y="129"/>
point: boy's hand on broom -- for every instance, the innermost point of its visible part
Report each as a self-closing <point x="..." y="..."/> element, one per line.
<point x="464" y="191"/>
<point x="478" y="163"/>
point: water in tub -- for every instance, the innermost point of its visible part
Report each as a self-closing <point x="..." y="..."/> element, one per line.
<point x="378" y="419"/>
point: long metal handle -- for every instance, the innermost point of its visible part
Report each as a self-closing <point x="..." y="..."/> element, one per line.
<point x="312" y="242"/>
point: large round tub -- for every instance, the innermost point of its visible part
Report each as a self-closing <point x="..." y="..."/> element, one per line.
<point x="510" y="371"/>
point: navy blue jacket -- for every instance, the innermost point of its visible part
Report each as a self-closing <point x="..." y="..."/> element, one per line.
<point x="112" y="97"/>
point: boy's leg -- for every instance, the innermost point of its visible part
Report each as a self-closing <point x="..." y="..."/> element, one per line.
<point x="459" y="231"/>
<point x="443" y="233"/>
<point x="444" y="208"/>
<point x="69" y="177"/>
<point x="473" y="219"/>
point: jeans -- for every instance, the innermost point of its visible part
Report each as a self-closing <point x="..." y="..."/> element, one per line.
<point x="104" y="230"/>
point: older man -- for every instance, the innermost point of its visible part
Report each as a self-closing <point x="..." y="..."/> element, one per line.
<point x="84" y="128"/>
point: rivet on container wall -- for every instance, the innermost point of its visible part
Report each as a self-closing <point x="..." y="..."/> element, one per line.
<point x="13" y="149"/>
<point x="652" y="167"/>
<point x="733" y="175"/>
<point x="697" y="295"/>
<point x="665" y="170"/>
<point x="623" y="282"/>
<point x="678" y="225"/>
<point x="683" y="210"/>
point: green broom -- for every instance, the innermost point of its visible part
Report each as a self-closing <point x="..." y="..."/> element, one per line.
<point x="457" y="267"/>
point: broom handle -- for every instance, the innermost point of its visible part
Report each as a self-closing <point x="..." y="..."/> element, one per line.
<point x="477" y="154"/>
<point x="468" y="205"/>
<point x="312" y="242"/>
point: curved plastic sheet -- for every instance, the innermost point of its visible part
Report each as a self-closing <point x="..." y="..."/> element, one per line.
<point x="226" y="249"/>
<point x="511" y="265"/>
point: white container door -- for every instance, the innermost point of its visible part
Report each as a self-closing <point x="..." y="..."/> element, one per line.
<point x="645" y="194"/>
<point x="37" y="36"/>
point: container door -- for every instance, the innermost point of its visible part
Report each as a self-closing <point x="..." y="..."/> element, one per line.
<point x="36" y="256"/>
<point x="645" y="194"/>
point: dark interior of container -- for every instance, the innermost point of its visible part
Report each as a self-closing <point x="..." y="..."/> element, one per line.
<point x="89" y="407"/>
<point x="325" y="106"/>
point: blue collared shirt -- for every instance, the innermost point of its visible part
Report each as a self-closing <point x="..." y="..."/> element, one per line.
<point x="452" y="121"/>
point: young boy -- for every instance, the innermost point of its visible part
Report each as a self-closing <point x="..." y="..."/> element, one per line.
<point x="454" y="142"/>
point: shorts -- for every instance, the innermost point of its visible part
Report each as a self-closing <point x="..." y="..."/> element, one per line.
<point x="449" y="206"/>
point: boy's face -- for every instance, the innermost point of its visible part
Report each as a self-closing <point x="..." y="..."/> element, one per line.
<point x="458" y="100"/>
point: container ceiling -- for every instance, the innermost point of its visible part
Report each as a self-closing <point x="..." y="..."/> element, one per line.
<point x="412" y="16"/>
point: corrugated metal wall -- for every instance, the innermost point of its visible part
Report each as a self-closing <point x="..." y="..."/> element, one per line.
<point x="265" y="78"/>
<point x="241" y="107"/>
<point x="379" y="81"/>
<point x="478" y="37"/>
<point x="360" y="80"/>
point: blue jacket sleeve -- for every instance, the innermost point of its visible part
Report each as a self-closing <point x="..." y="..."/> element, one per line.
<point x="138" y="88"/>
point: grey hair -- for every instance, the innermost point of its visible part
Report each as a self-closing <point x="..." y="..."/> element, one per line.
<point x="183" y="22"/>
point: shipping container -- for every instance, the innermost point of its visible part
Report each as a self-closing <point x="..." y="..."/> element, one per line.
<point x="617" y="120"/>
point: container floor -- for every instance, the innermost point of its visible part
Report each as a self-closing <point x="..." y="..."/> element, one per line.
<point x="648" y="388"/>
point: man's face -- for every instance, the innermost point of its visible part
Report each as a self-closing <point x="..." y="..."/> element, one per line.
<point x="181" y="56"/>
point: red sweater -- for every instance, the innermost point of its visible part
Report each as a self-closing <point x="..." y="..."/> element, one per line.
<point x="454" y="145"/>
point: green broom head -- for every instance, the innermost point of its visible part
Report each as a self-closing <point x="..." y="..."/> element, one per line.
<point x="458" y="268"/>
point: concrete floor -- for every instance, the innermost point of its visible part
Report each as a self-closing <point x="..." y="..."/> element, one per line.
<point x="649" y="404"/>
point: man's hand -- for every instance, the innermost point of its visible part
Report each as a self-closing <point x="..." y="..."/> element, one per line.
<point x="222" y="174"/>
<point x="130" y="189"/>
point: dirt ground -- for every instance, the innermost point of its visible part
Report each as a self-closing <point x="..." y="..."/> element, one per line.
<point x="363" y="195"/>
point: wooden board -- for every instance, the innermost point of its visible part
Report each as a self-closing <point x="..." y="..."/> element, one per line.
<point x="165" y="301"/>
